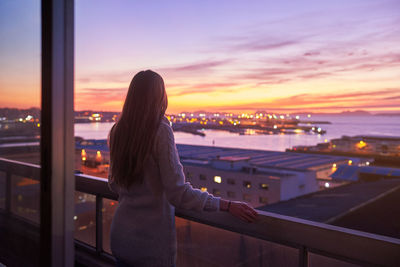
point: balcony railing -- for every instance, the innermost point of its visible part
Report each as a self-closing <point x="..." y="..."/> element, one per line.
<point x="306" y="237"/>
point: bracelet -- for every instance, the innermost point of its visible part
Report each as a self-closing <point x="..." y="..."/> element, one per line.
<point x="229" y="205"/>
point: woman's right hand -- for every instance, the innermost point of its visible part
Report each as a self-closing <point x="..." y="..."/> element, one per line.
<point x="240" y="210"/>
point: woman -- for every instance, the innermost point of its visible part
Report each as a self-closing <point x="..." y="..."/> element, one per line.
<point x="147" y="175"/>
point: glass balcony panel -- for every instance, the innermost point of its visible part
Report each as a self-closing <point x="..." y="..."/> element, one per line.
<point x="2" y="190"/>
<point x="85" y="218"/>
<point x="20" y="80"/>
<point x="20" y="113"/>
<point x="109" y="207"/>
<point x="315" y="260"/>
<point x="203" y="245"/>
<point x="25" y="198"/>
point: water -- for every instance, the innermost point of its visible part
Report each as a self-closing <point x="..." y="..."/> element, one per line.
<point x="341" y="125"/>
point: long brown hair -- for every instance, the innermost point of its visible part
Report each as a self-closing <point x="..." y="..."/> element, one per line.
<point x="131" y="139"/>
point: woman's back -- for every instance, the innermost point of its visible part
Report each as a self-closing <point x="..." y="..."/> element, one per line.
<point x="143" y="228"/>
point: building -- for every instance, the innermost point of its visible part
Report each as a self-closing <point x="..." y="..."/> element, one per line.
<point x="256" y="176"/>
<point x="384" y="145"/>
<point x="360" y="144"/>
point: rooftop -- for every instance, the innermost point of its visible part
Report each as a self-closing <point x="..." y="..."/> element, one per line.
<point x="260" y="158"/>
<point x="257" y="158"/>
<point x="233" y="158"/>
<point x="352" y="173"/>
<point x="330" y="205"/>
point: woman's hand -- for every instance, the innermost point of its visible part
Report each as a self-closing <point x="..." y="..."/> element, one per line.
<point x="239" y="209"/>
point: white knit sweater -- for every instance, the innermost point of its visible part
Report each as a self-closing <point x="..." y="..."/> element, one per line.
<point x="143" y="227"/>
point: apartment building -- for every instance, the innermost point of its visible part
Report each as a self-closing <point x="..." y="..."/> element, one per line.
<point x="234" y="179"/>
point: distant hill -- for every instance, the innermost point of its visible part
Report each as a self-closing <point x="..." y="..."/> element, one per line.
<point x="387" y="114"/>
<point x="356" y="112"/>
<point x="344" y="113"/>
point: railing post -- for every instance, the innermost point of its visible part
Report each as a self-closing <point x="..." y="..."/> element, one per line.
<point x="303" y="257"/>
<point x="99" y="224"/>
<point x="8" y="192"/>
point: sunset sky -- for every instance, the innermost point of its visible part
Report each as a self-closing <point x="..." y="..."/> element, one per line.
<point x="317" y="56"/>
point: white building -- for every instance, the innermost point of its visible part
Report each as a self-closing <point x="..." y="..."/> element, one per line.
<point x="233" y="178"/>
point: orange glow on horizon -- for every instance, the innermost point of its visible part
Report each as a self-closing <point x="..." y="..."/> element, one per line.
<point x="249" y="100"/>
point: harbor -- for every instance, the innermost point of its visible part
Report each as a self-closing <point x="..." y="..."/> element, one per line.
<point x="244" y="124"/>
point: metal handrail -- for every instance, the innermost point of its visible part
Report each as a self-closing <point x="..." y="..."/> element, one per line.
<point x="307" y="236"/>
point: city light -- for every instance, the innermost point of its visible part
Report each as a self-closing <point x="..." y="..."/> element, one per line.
<point x="264" y="186"/>
<point x="217" y="179"/>
<point x="98" y="156"/>
<point x="83" y="155"/>
<point x="203" y="189"/>
<point x="95" y="117"/>
<point x="334" y="167"/>
<point x="350" y="162"/>
<point x="361" y="144"/>
<point x="327" y="185"/>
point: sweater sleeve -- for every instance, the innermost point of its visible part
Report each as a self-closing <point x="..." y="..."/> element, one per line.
<point x="179" y="193"/>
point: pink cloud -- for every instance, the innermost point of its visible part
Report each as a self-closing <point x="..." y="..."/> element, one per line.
<point x="195" y="67"/>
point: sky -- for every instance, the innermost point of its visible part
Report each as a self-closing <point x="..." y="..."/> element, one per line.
<point x="281" y="56"/>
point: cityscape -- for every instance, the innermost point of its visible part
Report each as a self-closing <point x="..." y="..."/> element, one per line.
<point x="291" y="107"/>
<point x="307" y="182"/>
